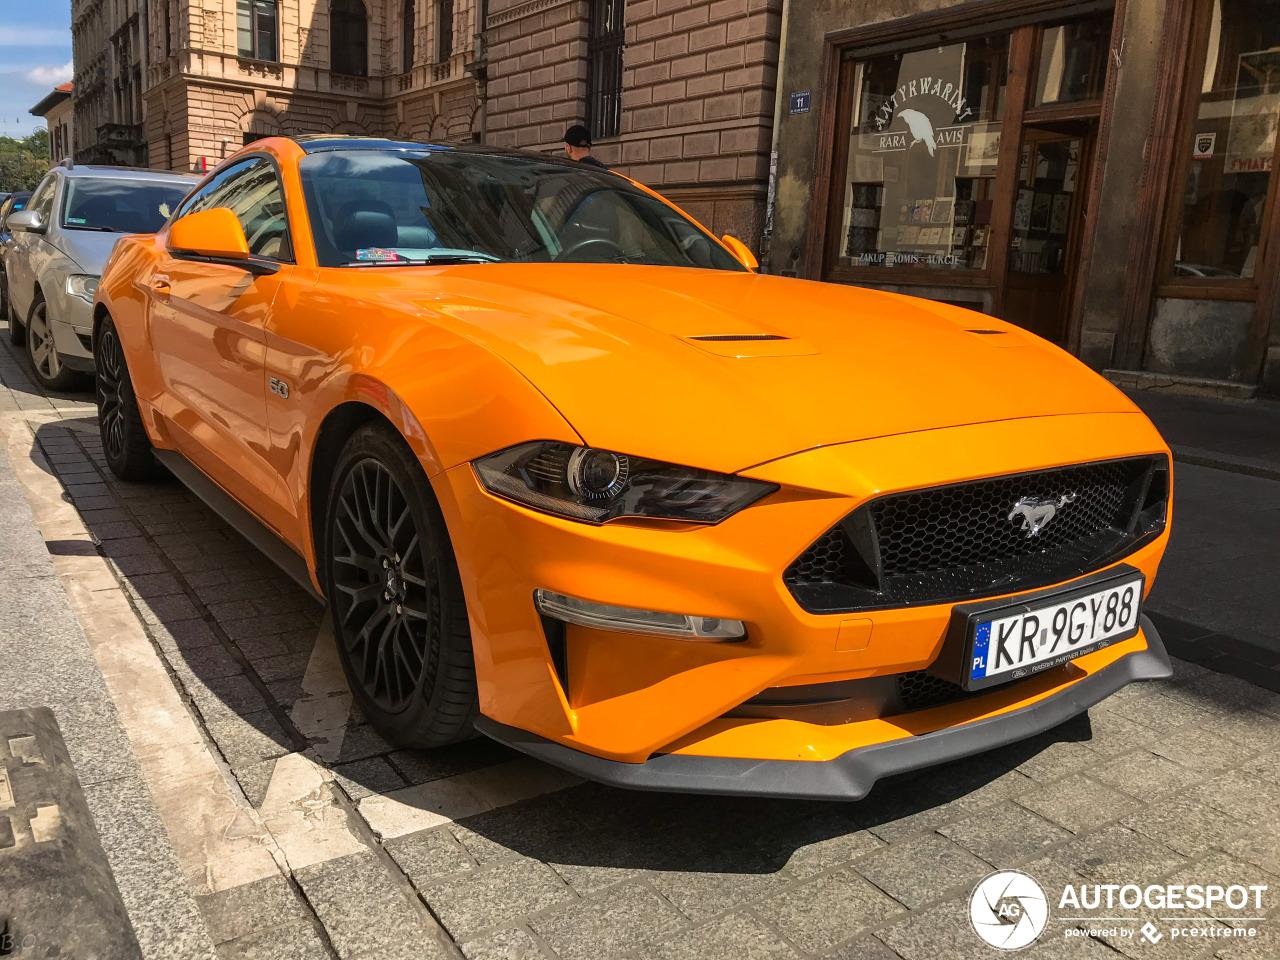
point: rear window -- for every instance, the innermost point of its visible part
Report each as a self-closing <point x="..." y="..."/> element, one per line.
<point x="118" y="205"/>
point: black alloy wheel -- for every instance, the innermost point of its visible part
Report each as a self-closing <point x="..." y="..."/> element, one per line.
<point x="124" y="438"/>
<point x="395" y="596"/>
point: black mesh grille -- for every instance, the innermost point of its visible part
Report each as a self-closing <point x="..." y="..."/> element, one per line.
<point x="919" y="691"/>
<point x="955" y="543"/>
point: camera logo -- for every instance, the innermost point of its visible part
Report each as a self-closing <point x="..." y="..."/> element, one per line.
<point x="1008" y="910"/>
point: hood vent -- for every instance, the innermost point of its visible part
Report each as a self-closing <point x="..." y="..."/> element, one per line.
<point x="738" y="337"/>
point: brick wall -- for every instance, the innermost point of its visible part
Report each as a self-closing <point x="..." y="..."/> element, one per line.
<point x="537" y="54"/>
<point x="697" y="103"/>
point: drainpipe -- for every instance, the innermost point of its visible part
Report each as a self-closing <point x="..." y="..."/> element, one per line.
<point x="766" y="242"/>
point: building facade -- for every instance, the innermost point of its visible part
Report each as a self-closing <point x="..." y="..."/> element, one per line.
<point x="678" y="94"/>
<point x="58" y="114"/>
<point x="1101" y="173"/>
<point x="225" y="72"/>
<point x="109" y="48"/>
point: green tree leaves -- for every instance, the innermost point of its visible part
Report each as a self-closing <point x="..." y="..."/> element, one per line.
<point x="23" y="162"/>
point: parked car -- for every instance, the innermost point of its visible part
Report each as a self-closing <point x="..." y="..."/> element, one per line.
<point x="570" y="473"/>
<point x="13" y="203"/>
<point x="55" y="255"/>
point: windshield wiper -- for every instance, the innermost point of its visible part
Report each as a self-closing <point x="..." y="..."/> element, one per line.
<point x="81" y="226"/>
<point x="426" y="261"/>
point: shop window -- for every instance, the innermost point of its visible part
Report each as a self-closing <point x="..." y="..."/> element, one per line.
<point x="604" y="69"/>
<point x="407" y="36"/>
<point x="349" y="38"/>
<point x="257" y="29"/>
<point x="1073" y="60"/>
<point x="923" y="148"/>
<point x="1231" y="145"/>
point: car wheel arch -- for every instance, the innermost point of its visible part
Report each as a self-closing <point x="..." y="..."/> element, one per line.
<point x="335" y="429"/>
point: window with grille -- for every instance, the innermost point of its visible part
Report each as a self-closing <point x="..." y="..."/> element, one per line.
<point x="257" y="29"/>
<point x="349" y="38"/>
<point x="407" y="36"/>
<point x="604" y="69"/>
<point x="444" y="30"/>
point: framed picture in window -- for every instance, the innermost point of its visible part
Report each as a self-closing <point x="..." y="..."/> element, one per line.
<point x="981" y="151"/>
<point x="942" y="207"/>
<point x="1041" y="207"/>
<point x="1022" y="209"/>
<point x="1060" y="213"/>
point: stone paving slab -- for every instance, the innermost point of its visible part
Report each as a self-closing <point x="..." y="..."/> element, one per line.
<point x="481" y="861"/>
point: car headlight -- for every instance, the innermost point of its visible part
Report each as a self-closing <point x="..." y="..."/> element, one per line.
<point x="82" y="286"/>
<point x="595" y="486"/>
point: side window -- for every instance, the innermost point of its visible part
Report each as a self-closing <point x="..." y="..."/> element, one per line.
<point x="251" y="190"/>
<point x="42" y="199"/>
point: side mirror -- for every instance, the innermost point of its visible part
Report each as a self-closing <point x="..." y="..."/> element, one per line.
<point x="27" y="221"/>
<point x="210" y="234"/>
<point x="741" y="251"/>
<point x="214" y="236"/>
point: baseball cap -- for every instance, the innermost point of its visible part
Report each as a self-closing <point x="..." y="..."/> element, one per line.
<point x="577" y="136"/>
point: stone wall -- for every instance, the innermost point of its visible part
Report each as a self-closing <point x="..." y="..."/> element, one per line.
<point x="697" y="101"/>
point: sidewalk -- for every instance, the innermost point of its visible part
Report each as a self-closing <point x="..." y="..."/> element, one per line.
<point x="1241" y="436"/>
<point x="1217" y="599"/>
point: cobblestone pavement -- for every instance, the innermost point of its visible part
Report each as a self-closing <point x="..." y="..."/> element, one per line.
<point x="302" y="834"/>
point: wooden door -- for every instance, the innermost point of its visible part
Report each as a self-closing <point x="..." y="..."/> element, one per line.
<point x="1047" y="225"/>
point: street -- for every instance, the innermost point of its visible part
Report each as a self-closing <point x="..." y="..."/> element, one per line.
<point x="246" y="810"/>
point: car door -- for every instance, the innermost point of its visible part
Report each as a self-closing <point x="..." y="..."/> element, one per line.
<point x="207" y="324"/>
<point x="25" y="249"/>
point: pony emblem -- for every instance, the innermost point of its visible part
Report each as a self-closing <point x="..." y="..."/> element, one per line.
<point x="1036" y="512"/>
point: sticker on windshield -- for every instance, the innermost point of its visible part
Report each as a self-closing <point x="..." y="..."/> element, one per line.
<point x="164" y="211"/>
<point x="377" y="254"/>
<point x="76" y="220"/>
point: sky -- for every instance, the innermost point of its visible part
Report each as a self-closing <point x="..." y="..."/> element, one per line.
<point x="35" y="56"/>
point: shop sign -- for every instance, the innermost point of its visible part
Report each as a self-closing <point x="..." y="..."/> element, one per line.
<point x="1203" y="146"/>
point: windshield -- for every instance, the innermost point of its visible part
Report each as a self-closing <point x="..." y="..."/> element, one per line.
<point x="117" y="205"/>
<point x="373" y="207"/>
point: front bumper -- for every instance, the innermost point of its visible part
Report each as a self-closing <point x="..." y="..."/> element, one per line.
<point x="851" y="775"/>
<point x="71" y="322"/>
<point x="628" y="698"/>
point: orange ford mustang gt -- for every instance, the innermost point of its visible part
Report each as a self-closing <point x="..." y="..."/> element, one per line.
<point x="569" y="473"/>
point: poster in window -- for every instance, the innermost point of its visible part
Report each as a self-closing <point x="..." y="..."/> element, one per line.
<point x="1061" y="213"/>
<point x="981" y="151"/>
<point x="958" y="235"/>
<point x="1022" y="209"/>
<point x="1255" y="113"/>
<point x="1024" y="163"/>
<point x="910" y="234"/>
<point x="963" y="212"/>
<point x="1040" y="208"/>
<point x="923" y="209"/>
<point x="1073" y="163"/>
<point x="942" y="207"/>
<point x="868" y="167"/>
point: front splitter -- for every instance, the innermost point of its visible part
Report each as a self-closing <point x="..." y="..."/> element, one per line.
<point x="851" y="775"/>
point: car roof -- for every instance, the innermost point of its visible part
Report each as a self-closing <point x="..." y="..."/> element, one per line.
<point x="125" y="173"/>
<point x="326" y="143"/>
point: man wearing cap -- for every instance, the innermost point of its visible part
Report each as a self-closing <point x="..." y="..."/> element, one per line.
<point x="577" y="144"/>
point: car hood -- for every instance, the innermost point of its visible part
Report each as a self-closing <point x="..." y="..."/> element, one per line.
<point x="613" y="348"/>
<point x="88" y="248"/>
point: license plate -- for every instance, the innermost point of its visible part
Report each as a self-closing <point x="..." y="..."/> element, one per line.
<point x="1017" y="640"/>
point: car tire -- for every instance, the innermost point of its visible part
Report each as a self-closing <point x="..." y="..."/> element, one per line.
<point x="125" y="443"/>
<point x="47" y="367"/>
<point x="395" y="596"/>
